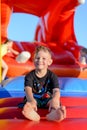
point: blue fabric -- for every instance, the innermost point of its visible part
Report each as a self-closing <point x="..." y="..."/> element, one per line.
<point x="73" y="87"/>
<point x="69" y="86"/>
<point x="73" y="84"/>
<point x="15" y="88"/>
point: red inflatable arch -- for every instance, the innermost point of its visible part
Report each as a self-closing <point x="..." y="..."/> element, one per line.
<point x="55" y="29"/>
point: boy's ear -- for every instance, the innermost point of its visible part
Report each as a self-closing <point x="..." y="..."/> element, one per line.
<point x="50" y="62"/>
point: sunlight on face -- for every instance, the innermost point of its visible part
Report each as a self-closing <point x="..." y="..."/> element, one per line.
<point x="42" y="60"/>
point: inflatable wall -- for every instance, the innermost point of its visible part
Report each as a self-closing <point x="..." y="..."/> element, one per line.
<point x="55" y="29"/>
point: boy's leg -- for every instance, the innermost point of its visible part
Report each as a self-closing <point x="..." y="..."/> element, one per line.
<point x="29" y="113"/>
<point x="5" y="69"/>
<point x="57" y="115"/>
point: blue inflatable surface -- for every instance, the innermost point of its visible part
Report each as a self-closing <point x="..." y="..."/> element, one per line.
<point x="68" y="87"/>
<point x="73" y="86"/>
<point x="14" y="88"/>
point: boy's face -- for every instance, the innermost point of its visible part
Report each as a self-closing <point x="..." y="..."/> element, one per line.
<point x="42" y="60"/>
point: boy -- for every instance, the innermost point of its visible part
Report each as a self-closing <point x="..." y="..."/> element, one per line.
<point x="42" y="89"/>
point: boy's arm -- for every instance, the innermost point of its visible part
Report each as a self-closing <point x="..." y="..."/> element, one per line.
<point x="55" y="101"/>
<point x="30" y="98"/>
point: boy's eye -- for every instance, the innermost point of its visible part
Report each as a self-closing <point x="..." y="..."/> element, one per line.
<point x="44" y="58"/>
<point x="40" y="58"/>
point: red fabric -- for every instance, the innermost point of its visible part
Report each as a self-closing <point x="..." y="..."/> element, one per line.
<point x="6" y="10"/>
<point x="75" y="108"/>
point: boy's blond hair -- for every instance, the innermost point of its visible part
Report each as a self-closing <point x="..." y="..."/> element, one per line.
<point x="43" y="48"/>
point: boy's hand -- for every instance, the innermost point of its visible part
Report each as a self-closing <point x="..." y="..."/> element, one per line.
<point x="34" y="105"/>
<point x="54" y="104"/>
<point x="29" y="111"/>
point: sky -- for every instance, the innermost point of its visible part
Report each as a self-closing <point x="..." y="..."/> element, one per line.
<point x="22" y="26"/>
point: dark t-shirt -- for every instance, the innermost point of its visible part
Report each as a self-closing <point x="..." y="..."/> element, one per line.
<point x="41" y="85"/>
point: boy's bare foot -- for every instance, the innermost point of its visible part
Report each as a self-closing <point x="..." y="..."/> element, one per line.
<point x="57" y="115"/>
<point x="29" y="113"/>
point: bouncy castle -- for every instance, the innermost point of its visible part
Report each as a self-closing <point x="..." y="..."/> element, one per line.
<point x="55" y="30"/>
